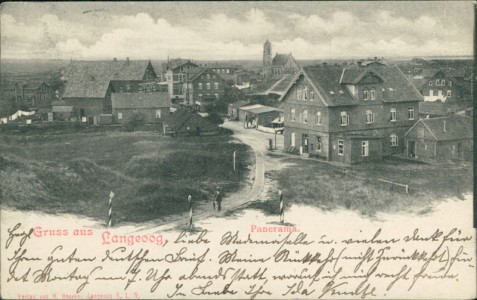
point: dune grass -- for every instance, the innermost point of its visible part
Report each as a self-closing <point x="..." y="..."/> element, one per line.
<point x="150" y="175"/>
<point x="325" y="186"/>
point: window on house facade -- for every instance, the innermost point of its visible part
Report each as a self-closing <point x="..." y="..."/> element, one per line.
<point x="292" y="141"/>
<point x="208" y="85"/>
<point x="128" y="87"/>
<point x="394" y="140"/>
<point x="443" y="82"/>
<point x="200" y="96"/>
<point x="216" y="96"/>
<point x="158" y="113"/>
<point x="200" y="86"/>
<point x="318" y="118"/>
<point x="393" y="115"/>
<point x="318" y="143"/>
<point x="344" y="118"/>
<point x="293" y="115"/>
<point x="449" y="93"/>
<point x="120" y="89"/>
<point x="365" y="148"/>
<point x="366" y="94"/>
<point x="305" y="116"/>
<point x="228" y="71"/>
<point x="369" y="116"/>
<point x="208" y="76"/>
<point x="410" y="113"/>
<point x="213" y="76"/>
<point x="437" y="81"/>
<point x="120" y="116"/>
<point x="430" y="83"/>
<point x="373" y="94"/>
<point x="340" y="147"/>
<point x="426" y="147"/>
<point x="312" y="95"/>
<point x="216" y="85"/>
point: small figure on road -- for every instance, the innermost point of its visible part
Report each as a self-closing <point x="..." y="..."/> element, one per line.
<point x="218" y="199"/>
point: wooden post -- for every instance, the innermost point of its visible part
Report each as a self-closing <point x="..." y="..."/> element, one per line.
<point x="282" y="209"/>
<point x="189" y="199"/>
<point x="234" y="158"/>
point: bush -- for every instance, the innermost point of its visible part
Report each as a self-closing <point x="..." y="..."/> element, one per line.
<point x="134" y="121"/>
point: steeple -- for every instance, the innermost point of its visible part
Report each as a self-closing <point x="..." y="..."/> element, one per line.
<point x="267" y="59"/>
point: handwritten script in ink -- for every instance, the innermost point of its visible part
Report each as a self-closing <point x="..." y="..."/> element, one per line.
<point x="97" y="263"/>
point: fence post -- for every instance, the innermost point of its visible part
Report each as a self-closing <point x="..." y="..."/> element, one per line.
<point x="189" y="199"/>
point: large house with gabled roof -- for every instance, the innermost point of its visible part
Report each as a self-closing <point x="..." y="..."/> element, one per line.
<point x="349" y="114"/>
<point x="204" y="89"/>
<point x="89" y="84"/>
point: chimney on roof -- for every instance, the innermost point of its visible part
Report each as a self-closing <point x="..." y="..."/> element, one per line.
<point x="359" y="63"/>
<point x="115" y="59"/>
<point x="375" y="59"/>
<point x="445" y="126"/>
<point x="325" y="64"/>
<point x="127" y="60"/>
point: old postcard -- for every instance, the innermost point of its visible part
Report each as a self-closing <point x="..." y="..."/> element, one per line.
<point x="237" y="150"/>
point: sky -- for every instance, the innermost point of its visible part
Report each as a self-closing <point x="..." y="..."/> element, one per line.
<point x="235" y="30"/>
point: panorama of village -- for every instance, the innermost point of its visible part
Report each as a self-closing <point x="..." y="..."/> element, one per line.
<point x="364" y="135"/>
<point x="246" y="150"/>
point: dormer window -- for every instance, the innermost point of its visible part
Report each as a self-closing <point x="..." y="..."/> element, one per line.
<point x="430" y="83"/>
<point x="366" y="94"/>
<point x="373" y="94"/>
<point x="437" y="81"/>
<point x="443" y="82"/>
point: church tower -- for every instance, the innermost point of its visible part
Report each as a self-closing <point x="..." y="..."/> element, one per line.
<point x="267" y="59"/>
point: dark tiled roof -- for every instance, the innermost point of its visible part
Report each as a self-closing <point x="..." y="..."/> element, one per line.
<point x="456" y="127"/>
<point x="182" y="118"/>
<point x="62" y="109"/>
<point x="280" y="60"/>
<point x="141" y="100"/>
<point x="397" y="87"/>
<point x="327" y="79"/>
<point x="90" y="79"/>
<point x="132" y="70"/>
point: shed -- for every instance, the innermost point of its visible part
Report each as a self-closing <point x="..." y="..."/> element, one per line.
<point x="185" y="122"/>
<point x="63" y="112"/>
<point x="234" y="107"/>
<point x="440" y="139"/>
<point x="259" y="115"/>
<point x="154" y="106"/>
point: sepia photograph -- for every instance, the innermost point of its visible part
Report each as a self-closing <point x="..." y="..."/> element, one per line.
<point x="237" y="150"/>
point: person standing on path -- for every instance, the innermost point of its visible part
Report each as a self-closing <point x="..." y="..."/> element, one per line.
<point x="218" y="199"/>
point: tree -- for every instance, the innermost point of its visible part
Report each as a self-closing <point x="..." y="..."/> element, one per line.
<point x="134" y="121"/>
